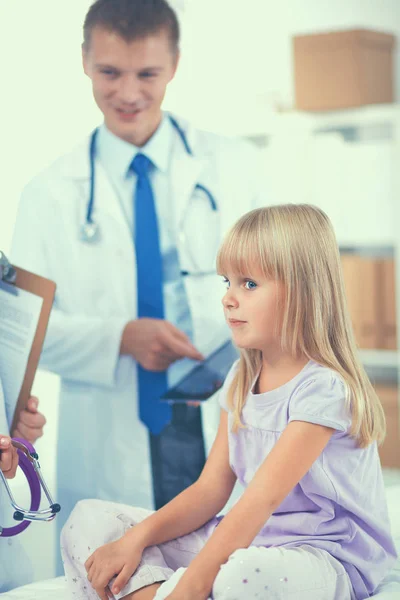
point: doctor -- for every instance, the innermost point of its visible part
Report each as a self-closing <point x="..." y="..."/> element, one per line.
<point x="128" y="225"/>
<point x="15" y="569"/>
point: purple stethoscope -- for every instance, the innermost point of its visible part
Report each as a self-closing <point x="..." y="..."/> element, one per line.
<point x="29" y="463"/>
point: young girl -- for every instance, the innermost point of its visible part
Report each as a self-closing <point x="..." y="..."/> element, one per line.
<point x="299" y="429"/>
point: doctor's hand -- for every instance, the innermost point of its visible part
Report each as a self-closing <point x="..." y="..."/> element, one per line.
<point x="30" y="423"/>
<point x="8" y="457"/>
<point x="156" y="344"/>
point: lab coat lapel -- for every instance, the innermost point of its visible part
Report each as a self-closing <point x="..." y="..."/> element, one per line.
<point x="116" y="245"/>
<point x="109" y="205"/>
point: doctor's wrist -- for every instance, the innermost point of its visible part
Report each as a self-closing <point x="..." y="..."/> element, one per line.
<point x="127" y="338"/>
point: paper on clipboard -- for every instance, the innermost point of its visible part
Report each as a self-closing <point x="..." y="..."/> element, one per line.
<point x="25" y="306"/>
<point x="19" y="316"/>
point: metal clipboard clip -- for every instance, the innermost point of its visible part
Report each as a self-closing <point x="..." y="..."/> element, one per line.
<point x="7" y="271"/>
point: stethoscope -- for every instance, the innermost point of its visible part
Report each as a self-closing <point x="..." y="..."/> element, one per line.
<point x="89" y="231"/>
<point x="29" y="464"/>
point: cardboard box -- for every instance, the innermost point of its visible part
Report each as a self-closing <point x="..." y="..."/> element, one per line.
<point x="390" y="450"/>
<point x="387" y="304"/>
<point x="343" y="69"/>
<point x="371" y="299"/>
<point x="360" y="276"/>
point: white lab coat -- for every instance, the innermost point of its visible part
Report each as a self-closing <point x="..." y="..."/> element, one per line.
<point x="103" y="448"/>
<point x="15" y="567"/>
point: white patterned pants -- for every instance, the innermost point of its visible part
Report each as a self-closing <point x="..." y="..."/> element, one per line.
<point x="301" y="573"/>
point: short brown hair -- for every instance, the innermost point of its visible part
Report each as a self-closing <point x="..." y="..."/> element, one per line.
<point x="132" y="19"/>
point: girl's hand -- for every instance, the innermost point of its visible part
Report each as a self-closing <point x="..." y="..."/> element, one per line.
<point x="118" y="559"/>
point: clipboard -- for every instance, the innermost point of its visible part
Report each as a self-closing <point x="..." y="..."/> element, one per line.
<point x="15" y="278"/>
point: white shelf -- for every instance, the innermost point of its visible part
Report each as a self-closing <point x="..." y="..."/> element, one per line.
<point x="265" y="123"/>
<point x="380" y="358"/>
<point x="262" y="121"/>
<point x="351" y="117"/>
<point x="380" y="244"/>
<point x="383" y="249"/>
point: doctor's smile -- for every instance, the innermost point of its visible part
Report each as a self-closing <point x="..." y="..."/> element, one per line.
<point x="128" y="115"/>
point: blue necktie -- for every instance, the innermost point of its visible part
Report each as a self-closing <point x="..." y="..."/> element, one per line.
<point x="153" y="413"/>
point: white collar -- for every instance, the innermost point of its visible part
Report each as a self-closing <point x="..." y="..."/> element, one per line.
<point x="116" y="154"/>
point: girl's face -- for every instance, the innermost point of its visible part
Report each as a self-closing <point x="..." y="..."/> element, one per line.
<point x="253" y="310"/>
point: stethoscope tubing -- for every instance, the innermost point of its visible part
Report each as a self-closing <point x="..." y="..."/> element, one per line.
<point x="92" y="160"/>
<point x="31" y="469"/>
<point x="34" y="486"/>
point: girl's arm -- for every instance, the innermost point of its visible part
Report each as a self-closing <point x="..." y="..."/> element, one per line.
<point x="291" y="458"/>
<point x="196" y="505"/>
<point x="184" y="514"/>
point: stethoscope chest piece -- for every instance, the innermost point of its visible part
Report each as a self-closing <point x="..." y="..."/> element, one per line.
<point x="89" y="232"/>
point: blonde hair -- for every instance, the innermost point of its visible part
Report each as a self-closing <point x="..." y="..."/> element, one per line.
<point x="296" y="244"/>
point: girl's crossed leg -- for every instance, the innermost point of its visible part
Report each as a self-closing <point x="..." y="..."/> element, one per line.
<point x="297" y="573"/>
<point x="300" y="573"/>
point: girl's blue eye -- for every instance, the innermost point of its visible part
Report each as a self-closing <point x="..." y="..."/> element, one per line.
<point x="225" y="280"/>
<point x="250" y="285"/>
